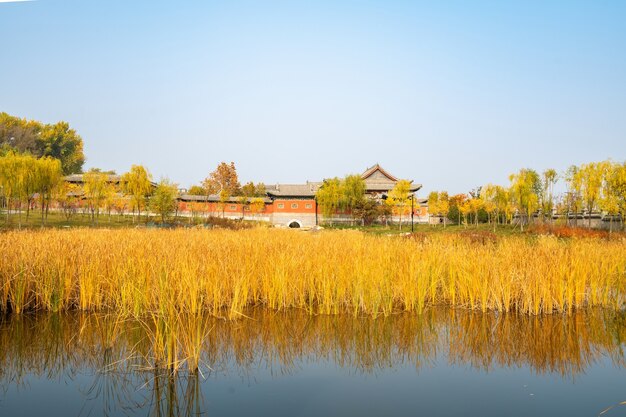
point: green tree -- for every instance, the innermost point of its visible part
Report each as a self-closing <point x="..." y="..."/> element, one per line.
<point x="63" y="143"/>
<point x="56" y="140"/>
<point x="19" y="135"/>
<point x="164" y="199"/>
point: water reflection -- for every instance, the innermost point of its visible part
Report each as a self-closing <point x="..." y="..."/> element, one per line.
<point x="116" y="356"/>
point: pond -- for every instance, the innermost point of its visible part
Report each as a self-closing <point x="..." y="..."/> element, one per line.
<point x="440" y="363"/>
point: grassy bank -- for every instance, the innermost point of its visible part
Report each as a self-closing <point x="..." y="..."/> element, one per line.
<point x="168" y="272"/>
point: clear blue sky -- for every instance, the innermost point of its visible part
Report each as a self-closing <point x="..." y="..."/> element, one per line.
<point x="452" y="94"/>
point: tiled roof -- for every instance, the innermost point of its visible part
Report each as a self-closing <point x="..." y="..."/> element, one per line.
<point x="293" y="190"/>
<point x="79" y="178"/>
<point x="214" y="198"/>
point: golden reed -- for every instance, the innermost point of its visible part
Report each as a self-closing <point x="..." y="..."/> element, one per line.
<point x="220" y="272"/>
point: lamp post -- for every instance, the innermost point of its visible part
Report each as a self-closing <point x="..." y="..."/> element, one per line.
<point x="412" y="211"/>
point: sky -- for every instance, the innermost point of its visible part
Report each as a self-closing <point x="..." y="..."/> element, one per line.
<point x="450" y="94"/>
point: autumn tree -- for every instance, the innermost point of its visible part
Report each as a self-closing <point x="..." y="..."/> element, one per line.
<point x="164" y="199"/>
<point x="489" y="197"/>
<point x="137" y="183"/>
<point x="329" y="197"/>
<point x="49" y="178"/>
<point x="572" y="202"/>
<point x="367" y="211"/>
<point x="95" y="187"/>
<point x="251" y="193"/>
<point x="224" y="182"/>
<point x="546" y="203"/>
<point x="439" y="204"/>
<point x="454" y="212"/>
<point x="525" y="187"/>
<point x="590" y="178"/>
<point x="352" y="193"/>
<point x="399" y="199"/>
<point x="196" y="190"/>
<point x="616" y="184"/>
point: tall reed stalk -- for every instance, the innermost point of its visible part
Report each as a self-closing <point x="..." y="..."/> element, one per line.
<point x="164" y="273"/>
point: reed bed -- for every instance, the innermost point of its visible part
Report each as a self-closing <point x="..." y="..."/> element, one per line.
<point x="165" y="273"/>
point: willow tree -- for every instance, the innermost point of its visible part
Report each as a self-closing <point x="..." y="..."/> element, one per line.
<point x="548" y="179"/>
<point x="329" y="197"/>
<point x="49" y="179"/>
<point x="489" y="196"/>
<point x="617" y="185"/>
<point x="353" y="194"/>
<point x="572" y="202"/>
<point x="590" y="177"/>
<point x="11" y="180"/>
<point x="95" y="187"/>
<point x="137" y="183"/>
<point x="525" y="187"/>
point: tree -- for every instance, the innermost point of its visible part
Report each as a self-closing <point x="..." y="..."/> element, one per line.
<point x="353" y="193"/>
<point x="224" y="182"/>
<point x="67" y="196"/>
<point x="546" y="203"/>
<point x="475" y="205"/>
<point x="489" y="198"/>
<point x="137" y="184"/>
<point x="19" y="135"/>
<point x="525" y="187"/>
<point x="164" y="199"/>
<point x="439" y="204"/>
<point x="196" y="190"/>
<point x="49" y="178"/>
<point x="95" y="189"/>
<point x="64" y="144"/>
<point x="572" y="202"/>
<point x="57" y="140"/>
<point x="465" y="208"/>
<point x="367" y="211"/>
<point x="590" y="177"/>
<point x="454" y="212"/>
<point x="11" y="180"/>
<point x="399" y="199"/>
<point x="616" y="183"/>
<point x="257" y="205"/>
<point x="329" y="197"/>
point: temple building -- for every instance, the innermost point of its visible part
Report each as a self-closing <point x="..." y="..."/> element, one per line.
<point x="294" y="205"/>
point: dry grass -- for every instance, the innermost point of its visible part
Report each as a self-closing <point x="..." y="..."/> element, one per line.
<point x="171" y="272"/>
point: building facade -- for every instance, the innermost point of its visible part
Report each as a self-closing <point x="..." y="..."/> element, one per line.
<point x="294" y="205"/>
